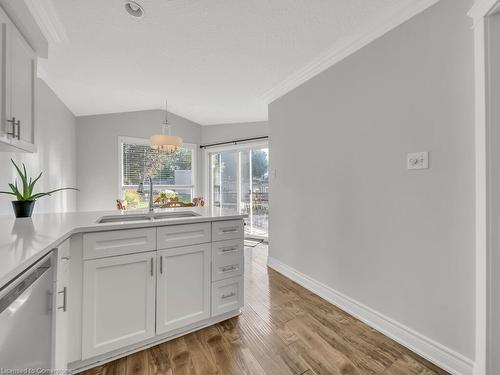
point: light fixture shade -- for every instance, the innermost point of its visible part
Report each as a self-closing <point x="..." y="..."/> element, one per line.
<point x="165" y="142"/>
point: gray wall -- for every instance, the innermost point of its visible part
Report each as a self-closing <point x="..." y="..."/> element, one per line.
<point x="231" y="132"/>
<point x="97" y="150"/>
<point x="56" y="156"/>
<point x="401" y="242"/>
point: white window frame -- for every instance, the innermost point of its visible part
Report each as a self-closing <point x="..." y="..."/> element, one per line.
<point x="144" y="141"/>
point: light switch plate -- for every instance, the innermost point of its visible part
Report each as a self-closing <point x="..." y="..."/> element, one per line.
<point x="418" y="160"/>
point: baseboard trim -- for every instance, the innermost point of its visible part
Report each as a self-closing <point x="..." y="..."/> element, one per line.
<point x="444" y="357"/>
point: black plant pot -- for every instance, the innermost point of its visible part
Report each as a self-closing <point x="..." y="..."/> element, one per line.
<point x="23" y="208"/>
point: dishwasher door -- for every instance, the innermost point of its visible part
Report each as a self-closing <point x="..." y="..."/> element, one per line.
<point x="26" y="318"/>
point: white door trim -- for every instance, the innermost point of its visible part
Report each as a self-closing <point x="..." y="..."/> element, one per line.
<point x="480" y="12"/>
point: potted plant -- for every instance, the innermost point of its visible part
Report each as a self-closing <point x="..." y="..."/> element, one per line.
<point x="23" y="206"/>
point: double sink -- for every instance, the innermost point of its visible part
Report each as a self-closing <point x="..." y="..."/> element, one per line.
<point x="146" y="217"/>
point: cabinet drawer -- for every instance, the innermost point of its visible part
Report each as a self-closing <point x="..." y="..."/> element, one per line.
<point x="227" y="295"/>
<point x="227" y="259"/>
<point x="227" y="230"/>
<point x="183" y="235"/>
<point x="118" y="242"/>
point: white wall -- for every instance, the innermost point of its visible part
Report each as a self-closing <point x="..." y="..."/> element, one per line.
<point x="231" y="132"/>
<point x="494" y="89"/>
<point x="56" y="156"/>
<point x="97" y="150"/>
<point x="400" y="242"/>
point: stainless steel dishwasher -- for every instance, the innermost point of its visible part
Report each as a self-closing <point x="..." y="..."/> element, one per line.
<point x="26" y="308"/>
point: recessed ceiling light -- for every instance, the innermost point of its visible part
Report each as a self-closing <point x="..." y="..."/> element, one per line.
<point x="134" y="9"/>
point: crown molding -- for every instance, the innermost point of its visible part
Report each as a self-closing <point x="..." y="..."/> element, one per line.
<point x="47" y="19"/>
<point x="483" y="8"/>
<point x="340" y="50"/>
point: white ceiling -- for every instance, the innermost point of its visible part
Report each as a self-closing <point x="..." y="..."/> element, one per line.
<point x="213" y="59"/>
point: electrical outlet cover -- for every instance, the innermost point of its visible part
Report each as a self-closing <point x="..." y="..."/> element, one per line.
<point x="418" y="160"/>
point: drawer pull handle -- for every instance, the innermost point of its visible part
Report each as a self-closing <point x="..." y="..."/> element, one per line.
<point x="228" y="249"/>
<point x="224" y="296"/>
<point x="229" y="230"/>
<point x="228" y="268"/>
<point x="65" y="258"/>
<point x="64" y="292"/>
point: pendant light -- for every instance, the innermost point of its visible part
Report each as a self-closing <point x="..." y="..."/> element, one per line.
<point x="165" y="141"/>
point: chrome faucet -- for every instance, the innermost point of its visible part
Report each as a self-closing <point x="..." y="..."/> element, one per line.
<point x="140" y="190"/>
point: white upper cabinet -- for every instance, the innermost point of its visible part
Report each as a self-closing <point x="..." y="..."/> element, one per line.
<point x="18" y="90"/>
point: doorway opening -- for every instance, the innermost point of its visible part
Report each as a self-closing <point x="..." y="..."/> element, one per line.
<point x="239" y="180"/>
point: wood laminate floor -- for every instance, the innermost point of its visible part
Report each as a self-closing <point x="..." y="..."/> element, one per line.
<point x="284" y="329"/>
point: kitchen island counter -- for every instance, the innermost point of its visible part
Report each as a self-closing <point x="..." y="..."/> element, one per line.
<point x="24" y="241"/>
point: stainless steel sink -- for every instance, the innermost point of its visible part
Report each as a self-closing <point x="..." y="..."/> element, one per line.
<point x="146" y="217"/>
<point x="174" y="215"/>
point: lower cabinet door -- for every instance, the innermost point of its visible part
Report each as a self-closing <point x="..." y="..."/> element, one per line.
<point x="60" y="326"/>
<point x="183" y="290"/>
<point x="118" y="302"/>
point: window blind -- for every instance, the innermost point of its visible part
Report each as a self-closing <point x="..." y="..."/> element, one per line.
<point x="140" y="160"/>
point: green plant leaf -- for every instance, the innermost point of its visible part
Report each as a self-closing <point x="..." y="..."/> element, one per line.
<point x="23" y="179"/>
<point x="28" y="185"/>
<point x="32" y="184"/>
<point x="39" y="195"/>
<point x="25" y="183"/>
<point x="7" y="192"/>
<point x="16" y="191"/>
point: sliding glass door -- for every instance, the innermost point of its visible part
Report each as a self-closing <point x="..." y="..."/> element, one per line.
<point x="239" y="180"/>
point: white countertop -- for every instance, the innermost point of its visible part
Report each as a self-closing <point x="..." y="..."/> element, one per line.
<point x="24" y="241"/>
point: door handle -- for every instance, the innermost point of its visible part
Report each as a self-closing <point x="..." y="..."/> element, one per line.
<point x="152" y="270"/>
<point x="18" y="124"/>
<point x="229" y="295"/>
<point x="229" y="249"/>
<point x="228" y="268"/>
<point x="161" y="263"/>
<point x="13" y="132"/>
<point x="64" y="292"/>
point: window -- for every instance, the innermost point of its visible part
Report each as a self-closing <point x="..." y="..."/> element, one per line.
<point x="171" y="173"/>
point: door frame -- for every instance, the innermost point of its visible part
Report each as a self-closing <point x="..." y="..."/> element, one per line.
<point x="480" y="13"/>
<point x="212" y="150"/>
<point x="207" y="188"/>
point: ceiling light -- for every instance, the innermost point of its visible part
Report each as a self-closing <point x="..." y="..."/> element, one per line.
<point x="166" y="142"/>
<point x="134" y="9"/>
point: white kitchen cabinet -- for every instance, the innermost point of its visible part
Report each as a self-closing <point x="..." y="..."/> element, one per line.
<point x="227" y="230"/>
<point x="60" y="355"/>
<point x="118" y="242"/>
<point x="18" y="87"/>
<point x="118" y="302"/>
<point x="183" y="291"/>
<point x="182" y="235"/>
<point x="227" y="259"/>
<point x="227" y="295"/>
